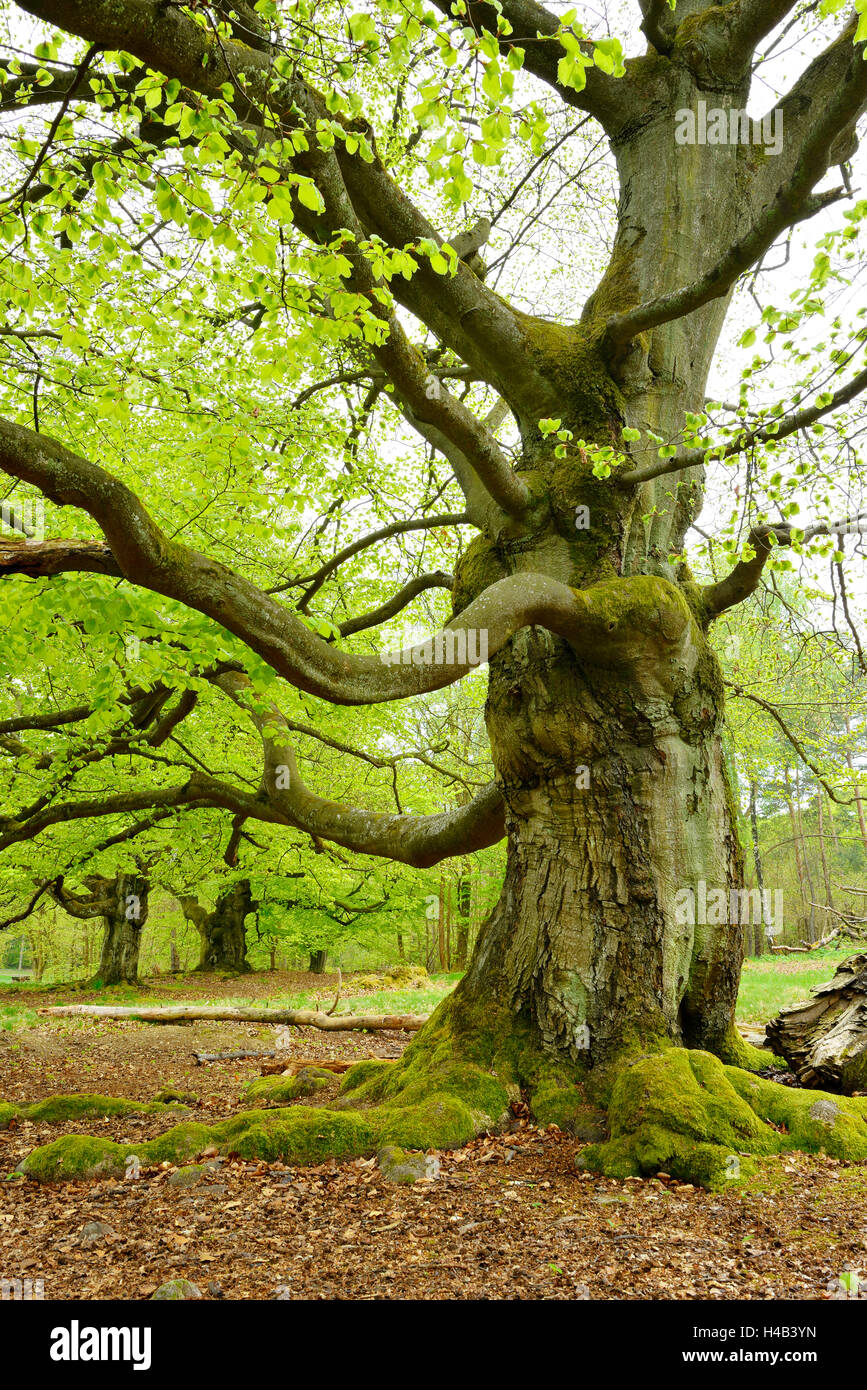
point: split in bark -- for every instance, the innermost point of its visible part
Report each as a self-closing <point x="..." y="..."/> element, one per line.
<point x="222" y="930"/>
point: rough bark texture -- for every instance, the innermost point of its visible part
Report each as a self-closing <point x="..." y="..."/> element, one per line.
<point x="605" y="701"/>
<point x="122" y="923"/>
<point x="222" y="931"/>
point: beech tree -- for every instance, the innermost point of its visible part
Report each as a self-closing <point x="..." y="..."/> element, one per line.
<point x="261" y="197"/>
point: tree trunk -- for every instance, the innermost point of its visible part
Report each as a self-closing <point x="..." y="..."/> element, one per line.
<point x="317" y="962"/>
<point x="122" y="927"/>
<point x="760" y="942"/>
<point x="825" y="1039"/>
<point x="597" y="941"/>
<point x="823" y="850"/>
<point x="856" y="788"/>
<point x="798" y="846"/>
<point x="301" y="1018"/>
<point x="222" y="931"/>
<point x="464" y="897"/>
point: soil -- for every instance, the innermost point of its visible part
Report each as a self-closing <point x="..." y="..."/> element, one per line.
<point x="509" y="1216"/>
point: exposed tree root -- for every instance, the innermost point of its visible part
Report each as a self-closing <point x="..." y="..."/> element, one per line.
<point x="688" y="1114"/>
<point x="58" y="1109"/>
<point x="677" y="1110"/>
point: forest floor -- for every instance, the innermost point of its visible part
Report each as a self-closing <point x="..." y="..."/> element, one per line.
<point x="508" y="1216"/>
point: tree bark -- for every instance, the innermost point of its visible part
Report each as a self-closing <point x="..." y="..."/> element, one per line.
<point x="190" y="1013"/>
<point x="317" y="962"/>
<point x="587" y="943"/>
<point x="222" y="931"/>
<point x="823" y="848"/>
<point x="825" y="1039"/>
<point x="122" y="929"/>
<point x="757" y="861"/>
<point x="464" y="900"/>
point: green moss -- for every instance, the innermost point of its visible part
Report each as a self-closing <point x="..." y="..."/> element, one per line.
<point x="304" y="1135"/>
<point x="738" y="1053"/>
<point x="813" y="1120"/>
<point x="8" y="1113"/>
<point x="168" y="1095"/>
<point x="438" y="1122"/>
<point x="687" y="1113"/>
<point x="176" y="1291"/>
<point x="568" y="356"/>
<point x="480" y="566"/>
<point x="678" y="1111"/>
<point x="74" y="1156"/>
<point x="57" y="1109"/>
<point x="558" y="1098"/>
<point x="363" y="1072"/>
<point x="280" y="1090"/>
<point x="190" y="1175"/>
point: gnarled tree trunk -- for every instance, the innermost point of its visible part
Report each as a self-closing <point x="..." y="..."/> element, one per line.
<point x="123" y="921"/>
<point x="222" y="930"/>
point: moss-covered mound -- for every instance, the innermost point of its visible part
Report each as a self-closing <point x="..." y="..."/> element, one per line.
<point x="80" y="1106"/>
<point x="303" y="1135"/>
<point x="686" y="1113"/>
<point x="282" y="1090"/>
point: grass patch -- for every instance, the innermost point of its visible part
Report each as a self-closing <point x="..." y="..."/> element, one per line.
<point x="772" y="983"/>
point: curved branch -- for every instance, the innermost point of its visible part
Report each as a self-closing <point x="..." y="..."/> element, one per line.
<point x="394" y="528"/>
<point x="477" y="323"/>
<point x="658" y="24"/>
<point x="404" y="596"/>
<point x="792" y="205"/>
<point x="743" y="580"/>
<point x="147" y="557"/>
<point x="417" y="840"/>
<point x="614" y="102"/>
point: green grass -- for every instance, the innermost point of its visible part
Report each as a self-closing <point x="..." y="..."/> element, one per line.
<point x="771" y="983"/>
<point x="15" y="1016"/>
<point x="385" y="1001"/>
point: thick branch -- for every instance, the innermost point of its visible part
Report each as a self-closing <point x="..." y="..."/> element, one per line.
<point x="614" y="102"/>
<point x="658" y="24"/>
<point x="148" y="558"/>
<point x="474" y="321"/>
<point x="822" y="106"/>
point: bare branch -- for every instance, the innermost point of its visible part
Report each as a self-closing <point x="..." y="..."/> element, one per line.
<point x="658" y="24"/>
<point x="743" y="580"/>
<point x="779" y="429"/>
<point x="394" y="605"/>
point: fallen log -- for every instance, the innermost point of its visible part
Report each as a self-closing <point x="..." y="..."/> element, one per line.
<point x="824" y="1038"/>
<point x="190" y="1013"/>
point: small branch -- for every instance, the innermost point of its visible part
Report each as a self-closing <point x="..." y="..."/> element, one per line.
<point x="658" y="25"/>
<point x="404" y="596"/>
<point x="780" y="429"/>
<point x="337" y="995"/>
<point x="742" y="694"/>
<point x="743" y="580"/>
